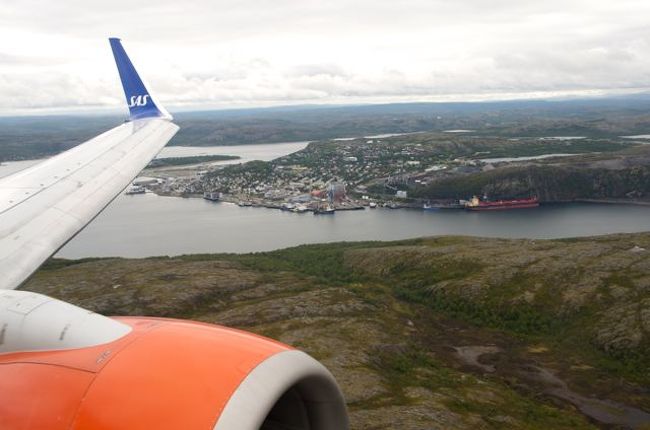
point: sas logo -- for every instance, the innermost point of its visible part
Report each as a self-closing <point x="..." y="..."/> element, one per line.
<point x="139" y="100"/>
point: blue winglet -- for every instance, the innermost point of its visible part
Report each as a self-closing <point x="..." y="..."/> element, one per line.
<point x="141" y="104"/>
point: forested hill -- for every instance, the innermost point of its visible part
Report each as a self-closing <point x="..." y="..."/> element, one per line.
<point x="623" y="175"/>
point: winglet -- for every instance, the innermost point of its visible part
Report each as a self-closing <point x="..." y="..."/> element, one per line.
<point x="141" y="104"/>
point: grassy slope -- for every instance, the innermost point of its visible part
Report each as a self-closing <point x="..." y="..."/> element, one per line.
<point x="386" y="317"/>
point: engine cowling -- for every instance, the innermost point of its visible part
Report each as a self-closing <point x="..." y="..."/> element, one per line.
<point x="164" y="374"/>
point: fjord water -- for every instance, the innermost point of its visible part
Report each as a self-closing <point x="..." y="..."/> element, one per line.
<point x="149" y="225"/>
<point x="262" y="151"/>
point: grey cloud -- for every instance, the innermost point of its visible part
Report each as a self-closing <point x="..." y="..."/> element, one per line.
<point x="22" y="60"/>
<point x="259" y="52"/>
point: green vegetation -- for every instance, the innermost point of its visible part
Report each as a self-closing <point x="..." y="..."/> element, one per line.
<point x="551" y="183"/>
<point x="182" y="161"/>
<point x="59" y="263"/>
<point x="448" y="146"/>
<point x="389" y="319"/>
<point x="437" y="281"/>
<point x="408" y="366"/>
<point x="526" y="147"/>
<point x="23" y="138"/>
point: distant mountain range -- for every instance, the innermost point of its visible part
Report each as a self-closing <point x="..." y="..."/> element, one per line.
<point x="39" y="136"/>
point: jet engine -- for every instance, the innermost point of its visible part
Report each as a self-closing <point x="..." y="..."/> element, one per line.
<point x="63" y="367"/>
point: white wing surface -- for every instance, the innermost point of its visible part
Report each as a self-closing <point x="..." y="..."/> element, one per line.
<point x="44" y="206"/>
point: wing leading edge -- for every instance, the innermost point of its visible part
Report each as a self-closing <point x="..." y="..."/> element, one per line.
<point x="43" y="207"/>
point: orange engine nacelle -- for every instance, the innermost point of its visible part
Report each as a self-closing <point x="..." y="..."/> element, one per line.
<point x="169" y="374"/>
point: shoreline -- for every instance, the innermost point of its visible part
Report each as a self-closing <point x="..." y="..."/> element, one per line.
<point x="360" y="205"/>
<point x="614" y="202"/>
<point x="392" y="242"/>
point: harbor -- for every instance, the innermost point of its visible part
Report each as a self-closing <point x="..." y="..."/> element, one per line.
<point x="150" y="224"/>
<point x="329" y="205"/>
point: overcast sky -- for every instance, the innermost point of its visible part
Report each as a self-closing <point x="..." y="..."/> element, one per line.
<point x="237" y="53"/>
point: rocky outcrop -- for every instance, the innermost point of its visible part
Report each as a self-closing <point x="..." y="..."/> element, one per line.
<point x="551" y="183"/>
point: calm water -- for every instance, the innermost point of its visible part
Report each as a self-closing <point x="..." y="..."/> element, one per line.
<point x="147" y="225"/>
<point x="264" y="152"/>
<point x="531" y="157"/>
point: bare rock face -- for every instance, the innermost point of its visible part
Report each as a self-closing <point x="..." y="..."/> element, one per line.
<point x="637" y="249"/>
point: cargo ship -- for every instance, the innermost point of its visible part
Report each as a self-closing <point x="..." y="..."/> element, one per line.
<point x="477" y="204"/>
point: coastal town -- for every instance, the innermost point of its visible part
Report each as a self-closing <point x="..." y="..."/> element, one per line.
<point x="392" y="171"/>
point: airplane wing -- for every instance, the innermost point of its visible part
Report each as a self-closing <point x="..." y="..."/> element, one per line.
<point x="44" y="206"/>
<point x="63" y="367"/>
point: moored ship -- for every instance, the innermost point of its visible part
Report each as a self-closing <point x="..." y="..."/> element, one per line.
<point x="456" y="204"/>
<point x="212" y="196"/>
<point x="477" y="204"/>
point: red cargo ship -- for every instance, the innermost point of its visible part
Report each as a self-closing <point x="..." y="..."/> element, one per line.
<point x="481" y="205"/>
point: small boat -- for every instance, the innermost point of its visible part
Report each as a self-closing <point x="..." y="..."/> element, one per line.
<point x="372" y="205"/>
<point x="244" y="204"/>
<point x="430" y="207"/>
<point x="327" y="210"/>
<point x="136" y="189"/>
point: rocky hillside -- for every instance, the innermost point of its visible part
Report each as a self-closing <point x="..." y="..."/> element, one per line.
<point x="439" y="333"/>
<point x="621" y="175"/>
